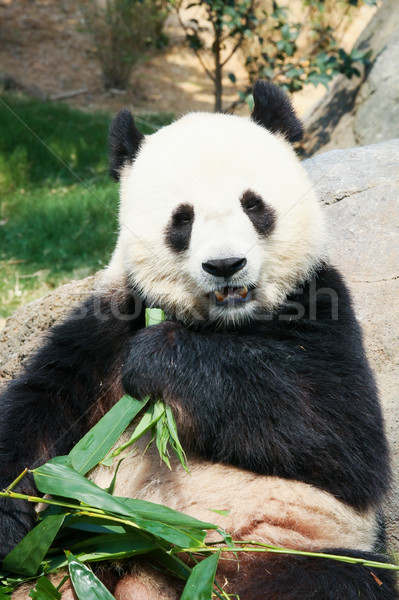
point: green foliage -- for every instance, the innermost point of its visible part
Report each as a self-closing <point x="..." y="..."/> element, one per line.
<point x="293" y="54"/>
<point x="123" y="30"/>
<point x="289" y="53"/>
<point x="57" y="204"/>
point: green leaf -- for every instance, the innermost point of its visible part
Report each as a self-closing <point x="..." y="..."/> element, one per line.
<point x="154" y="316"/>
<point x="317" y="78"/>
<point x="201" y="581"/>
<point x="44" y="590"/>
<point x="149" y="419"/>
<point x="59" y="480"/>
<point x="26" y="557"/>
<point x="162" y="439"/>
<point x="86" y="585"/>
<point x="99" y="440"/>
<point x="150" y="510"/>
<point x="114" y="546"/>
<point x="5" y="593"/>
<point x="172" y="563"/>
<point x="94" y="525"/>
<point x="111" y="488"/>
<point x="224" y="513"/>
<point x="174" y="441"/>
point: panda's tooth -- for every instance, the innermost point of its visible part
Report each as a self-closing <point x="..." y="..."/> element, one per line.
<point x="243" y="292"/>
<point x="220" y="297"/>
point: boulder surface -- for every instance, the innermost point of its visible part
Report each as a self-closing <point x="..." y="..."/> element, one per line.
<point x="362" y="110"/>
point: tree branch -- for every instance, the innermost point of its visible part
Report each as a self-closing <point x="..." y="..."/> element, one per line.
<point x="195" y="50"/>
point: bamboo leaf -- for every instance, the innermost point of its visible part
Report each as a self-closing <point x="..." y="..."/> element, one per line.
<point x="174" y="535"/>
<point x="224" y="513"/>
<point x="161" y="440"/>
<point x="175" y="442"/>
<point x="99" y="440"/>
<point x="171" y="563"/>
<point x="150" y="510"/>
<point x="114" y="546"/>
<point x="26" y="557"/>
<point x="93" y="525"/>
<point x="201" y="581"/>
<point x="147" y="422"/>
<point x="111" y="488"/>
<point x="86" y="585"/>
<point x="60" y="480"/>
<point x="154" y="316"/>
<point x="44" y="590"/>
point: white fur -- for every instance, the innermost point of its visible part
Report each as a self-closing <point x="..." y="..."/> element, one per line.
<point x="208" y="161"/>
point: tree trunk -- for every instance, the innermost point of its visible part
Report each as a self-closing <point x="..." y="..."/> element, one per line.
<point x="218" y="71"/>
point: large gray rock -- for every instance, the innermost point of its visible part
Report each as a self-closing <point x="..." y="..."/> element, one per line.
<point x="25" y="329"/>
<point x="363" y="110"/>
<point x="360" y="188"/>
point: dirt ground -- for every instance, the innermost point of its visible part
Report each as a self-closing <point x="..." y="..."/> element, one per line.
<point x="45" y="50"/>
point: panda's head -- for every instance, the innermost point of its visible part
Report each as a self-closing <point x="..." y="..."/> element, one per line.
<point x="218" y="220"/>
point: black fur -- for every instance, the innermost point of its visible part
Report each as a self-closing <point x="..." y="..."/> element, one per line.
<point x="66" y="387"/>
<point x="273" y="110"/>
<point x="124" y="142"/>
<point x="178" y="230"/>
<point x="262" y="215"/>
<point x="288" y="397"/>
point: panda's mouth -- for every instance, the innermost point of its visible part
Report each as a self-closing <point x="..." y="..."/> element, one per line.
<point x="231" y="295"/>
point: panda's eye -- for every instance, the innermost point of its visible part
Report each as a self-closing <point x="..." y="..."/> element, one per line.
<point x="253" y="203"/>
<point x="183" y="215"/>
<point x="250" y="201"/>
<point x="183" y="218"/>
<point x="261" y="214"/>
<point x="178" y="230"/>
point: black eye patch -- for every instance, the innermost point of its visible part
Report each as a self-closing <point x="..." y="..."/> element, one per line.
<point x="178" y="230"/>
<point x="262" y="216"/>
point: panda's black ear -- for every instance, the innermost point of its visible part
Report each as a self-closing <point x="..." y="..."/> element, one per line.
<point x="273" y="110"/>
<point x="124" y="142"/>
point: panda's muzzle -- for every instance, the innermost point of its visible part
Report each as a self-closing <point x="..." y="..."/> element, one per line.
<point x="225" y="268"/>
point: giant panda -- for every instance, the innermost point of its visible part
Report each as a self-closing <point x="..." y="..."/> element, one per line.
<point x="260" y="358"/>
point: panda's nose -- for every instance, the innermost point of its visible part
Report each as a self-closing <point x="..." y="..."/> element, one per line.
<point x="224" y="267"/>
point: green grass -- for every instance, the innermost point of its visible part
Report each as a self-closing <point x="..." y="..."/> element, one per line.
<point x="57" y="204"/>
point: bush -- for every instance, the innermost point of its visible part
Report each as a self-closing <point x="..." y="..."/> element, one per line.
<point x="122" y="31"/>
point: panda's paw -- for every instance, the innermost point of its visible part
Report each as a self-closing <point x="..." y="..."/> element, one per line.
<point x="150" y="363"/>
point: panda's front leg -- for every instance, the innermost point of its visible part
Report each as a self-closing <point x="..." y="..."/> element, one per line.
<point x="204" y="377"/>
<point x="151" y="367"/>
